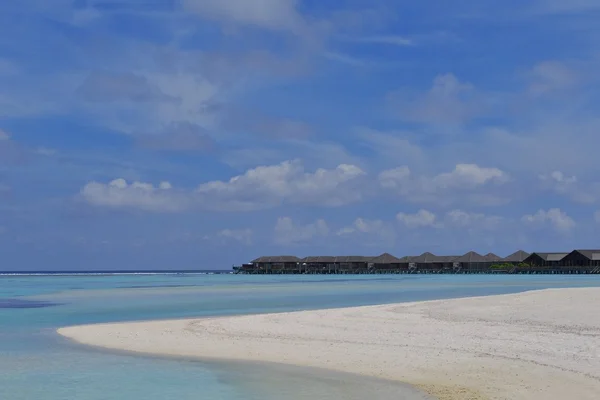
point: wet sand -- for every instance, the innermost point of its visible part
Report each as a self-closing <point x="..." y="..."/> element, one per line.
<point x="535" y="345"/>
<point x="267" y="381"/>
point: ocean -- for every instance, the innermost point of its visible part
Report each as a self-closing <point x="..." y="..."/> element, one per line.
<point x="36" y="363"/>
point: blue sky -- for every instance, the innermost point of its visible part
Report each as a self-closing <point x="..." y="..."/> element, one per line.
<point x="203" y="133"/>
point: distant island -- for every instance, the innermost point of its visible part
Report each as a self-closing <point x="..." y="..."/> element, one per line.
<point x="519" y="262"/>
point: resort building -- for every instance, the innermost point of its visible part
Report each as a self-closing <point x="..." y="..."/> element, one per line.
<point x="272" y="265"/>
<point x="335" y="265"/>
<point x="582" y="258"/>
<point x="428" y="262"/>
<point x="387" y="262"/>
<point x="516" y="257"/>
<point x="492" y="257"/>
<point x="545" y="259"/>
<point x="577" y="261"/>
<point x="473" y="261"/>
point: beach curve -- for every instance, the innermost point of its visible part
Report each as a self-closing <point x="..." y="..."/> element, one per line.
<point x="533" y="345"/>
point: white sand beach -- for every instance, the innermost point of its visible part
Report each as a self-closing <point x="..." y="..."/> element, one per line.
<point x="537" y="345"/>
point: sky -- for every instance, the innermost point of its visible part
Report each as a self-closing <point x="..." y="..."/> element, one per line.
<point x="191" y="134"/>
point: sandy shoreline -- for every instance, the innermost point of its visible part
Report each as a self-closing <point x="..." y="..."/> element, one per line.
<point x="535" y="345"/>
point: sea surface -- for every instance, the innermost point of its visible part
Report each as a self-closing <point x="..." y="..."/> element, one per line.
<point x="36" y="363"/>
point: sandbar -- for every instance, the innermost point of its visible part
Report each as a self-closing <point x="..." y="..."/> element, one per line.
<point x="535" y="345"/>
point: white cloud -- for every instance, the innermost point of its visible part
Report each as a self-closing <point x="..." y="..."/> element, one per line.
<point x="240" y="235"/>
<point x="454" y="219"/>
<point x="144" y="103"/>
<point x="368" y="226"/>
<point x="258" y="188"/>
<point x="420" y="219"/>
<point x="558" y="219"/>
<point x="466" y="181"/>
<point x="394" y="178"/>
<point x="388" y="39"/>
<point x="194" y="95"/>
<point x="287" y="232"/>
<point x="547" y="132"/>
<point x="469" y="176"/>
<point x="324" y="154"/>
<point x="392" y="145"/>
<point x="569" y="186"/>
<point x="559" y="182"/>
<point x="347" y="230"/>
<point x="269" y="14"/>
<point x="472" y="221"/>
<point x="361" y="225"/>
<point x="448" y="102"/>
<point x="550" y="76"/>
<point x="267" y="186"/>
<point x="137" y="195"/>
<point x="135" y="85"/>
<point x="249" y="157"/>
<point x="369" y="232"/>
<point x="559" y="178"/>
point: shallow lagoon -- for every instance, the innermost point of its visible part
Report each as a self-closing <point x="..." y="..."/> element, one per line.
<point x="35" y="363"/>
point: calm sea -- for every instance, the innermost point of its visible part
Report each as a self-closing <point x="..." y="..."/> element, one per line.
<point x="35" y="363"/>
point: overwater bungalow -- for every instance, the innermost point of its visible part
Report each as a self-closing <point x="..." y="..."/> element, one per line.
<point x="493" y="257"/>
<point x="334" y="264"/>
<point x="516" y="258"/>
<point x="473" y="262"/>
<point x="318" y="264"/>
<point x="429" y="262"/>
<point x="545" y="259"/>
<point x="577" y="261"/>
<point x="588" y="259"/>
<point x="276" y="264"/>
<point x="349" y="264"/>
<point x="387" y="263"/>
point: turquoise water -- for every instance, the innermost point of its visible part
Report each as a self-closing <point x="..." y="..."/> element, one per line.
<point x="35" y="363"/>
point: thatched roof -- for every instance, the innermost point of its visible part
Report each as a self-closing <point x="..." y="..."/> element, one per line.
<point x="446" y="258"/>
<point x="319" y="259"/>
<point x="426" y="257"/>
<point x="353" y="259"/>
<point x="589" y="254"/>
<point x="517" y="256"/>
<point x="471" y="257"/>
<point x="385" y="258"/>
<point x="275" y="259"/>
<point x="335" y="259"/>
<point x="492" y="257"/>
<point x="550" y="256"/>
